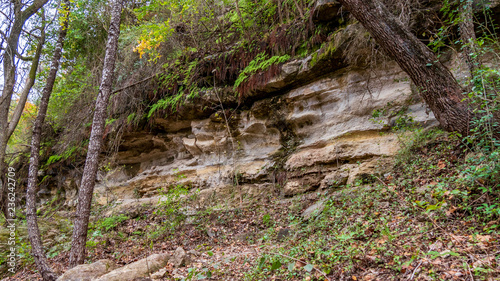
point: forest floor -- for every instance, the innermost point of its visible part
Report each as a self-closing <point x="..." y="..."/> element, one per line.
<point x="419" y="222"/>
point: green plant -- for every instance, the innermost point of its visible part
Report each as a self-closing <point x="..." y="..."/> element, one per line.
<point x="109" y="223"/>
<point x="267" y="220"/>
<point x="260" y="63"/>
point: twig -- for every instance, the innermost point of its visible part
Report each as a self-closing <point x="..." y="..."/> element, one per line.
<point x="138" y="82"/>
<point x="413" y="273"/>
<point x="470" y="271"/>
<point x="381" y="181"/>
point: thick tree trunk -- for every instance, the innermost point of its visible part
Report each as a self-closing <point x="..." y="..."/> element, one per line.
<point x="438" y="87"/>
<point x="9" y="81"/>
<point x="33" y="232"/>
<point x="77" y="255"/>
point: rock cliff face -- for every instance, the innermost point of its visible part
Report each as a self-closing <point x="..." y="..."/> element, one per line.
<point x="311" y="127"/>
<point x="319" y="134"/>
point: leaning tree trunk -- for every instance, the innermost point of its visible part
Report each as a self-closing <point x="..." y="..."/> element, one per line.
<point x="9" y="81"/>
<point x="31" y="219"/>
<point x="438" y="87"/>
<point x="77" y="255"/>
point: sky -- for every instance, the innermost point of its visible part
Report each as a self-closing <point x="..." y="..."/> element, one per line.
<point x="25" y="41"/>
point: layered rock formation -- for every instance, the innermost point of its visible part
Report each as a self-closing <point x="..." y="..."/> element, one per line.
<point x="320" y="134"/>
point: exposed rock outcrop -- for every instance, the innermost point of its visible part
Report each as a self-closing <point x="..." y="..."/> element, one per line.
<point x="88" y="272"/>
<point x="141" y="268"/>
<point x="305" y="129"/>
<point x="323" y="133"/>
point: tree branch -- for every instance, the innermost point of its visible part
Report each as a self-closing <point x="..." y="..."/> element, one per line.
<point x="31" y="34"/>
<point x="27" y="88"/>
<point x="136" y="83"/>
<point x="23" y="57"/>
<point x="28" y="12"/>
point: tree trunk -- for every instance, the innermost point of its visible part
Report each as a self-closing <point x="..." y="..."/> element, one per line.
<point x="77" y="255"/>
<point x="468" y="35"/>
<point x="280" y="13"/>
<point x="438" y="87"/>
<point x="33" y="232"/>
<point x="9" y="81"/>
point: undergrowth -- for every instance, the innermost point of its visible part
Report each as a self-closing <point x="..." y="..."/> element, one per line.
<point x="437" y="211"/>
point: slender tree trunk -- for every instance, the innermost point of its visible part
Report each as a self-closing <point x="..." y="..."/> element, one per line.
<point x="33" y="232"/>
<point x="280" y="12"/>
<point x="438" y="87"/>
<point x="77" y="255"/>
<point x="9" y="81"/>
<point x="468" y="35"/>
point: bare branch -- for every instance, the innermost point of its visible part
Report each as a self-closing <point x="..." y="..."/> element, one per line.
<point x="134" y="84"/>
<point x="7" y="17"/>
<point x="30" y="33"/>
<point x="27" y="88"/>
<point x="23" y="57"/>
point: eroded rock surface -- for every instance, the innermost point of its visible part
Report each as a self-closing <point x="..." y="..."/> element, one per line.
<point x="138" y="269"/>
<point x="88" y="272"/>
<point x="307" y="129"/>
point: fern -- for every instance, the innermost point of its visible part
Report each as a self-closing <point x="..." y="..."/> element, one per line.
<point x="259" y="63"/>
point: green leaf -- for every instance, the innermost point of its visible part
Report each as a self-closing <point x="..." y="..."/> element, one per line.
<point x="261" y="262"/>
<point x="276" y="265"/>
<point x="291" y="266"/>
<point x="210" y="253"/>
<point x="308" y="267"/>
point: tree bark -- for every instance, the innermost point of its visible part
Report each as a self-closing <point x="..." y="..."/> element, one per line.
<point x="280" y="13"/>
<point x="9" y="75"/>
<point x="468" y="35"/>
<point x="33" y="232"/>
<point x="438" y="87"/>
<point x="79" y="238"/>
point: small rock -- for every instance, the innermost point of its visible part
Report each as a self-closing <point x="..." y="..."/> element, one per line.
<point x="177" y="274"/>
<point x="422" y="189"/>
<point x="283" y="233"/>
<point x="384" y="205"/>
<point x="436" y="246"/>
<point x="314" y="210"/>
<point x="210" y="233"/>
<point x="243" y="237"/>
<point x="159" y="274"/>
<point x="193" y="253"/>
<point x="326" y="10"/>
<point x="179" y="258"/>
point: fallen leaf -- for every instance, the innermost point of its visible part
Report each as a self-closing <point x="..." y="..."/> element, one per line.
<point x="300" y="264"/>
<point x="451" y="210"/>
<point x="483" y="238"/>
